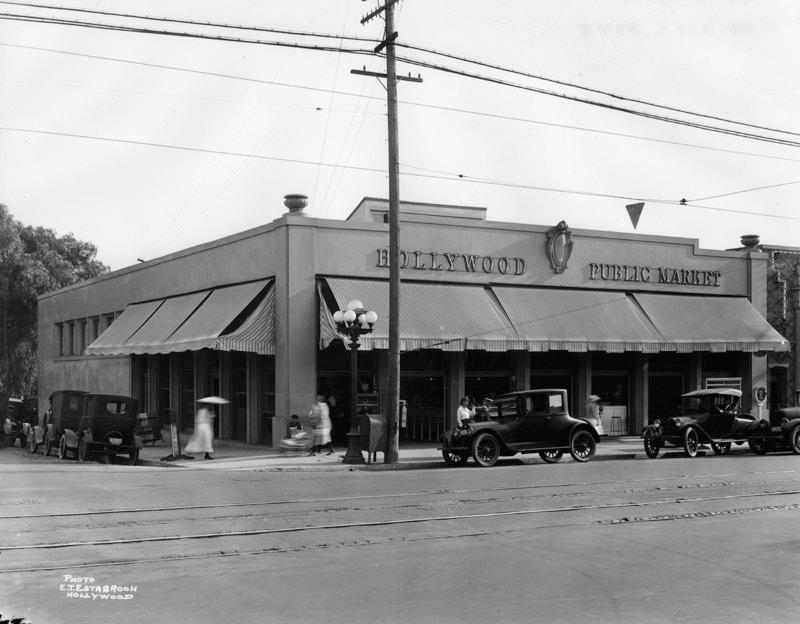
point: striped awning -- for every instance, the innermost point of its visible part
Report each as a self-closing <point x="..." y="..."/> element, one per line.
<point x="447" y="317"/>
<point x="498" y="318"/>
<point x="687" y="323"/>
<point x="548" y="319"/>
<point x="227" y="318"/>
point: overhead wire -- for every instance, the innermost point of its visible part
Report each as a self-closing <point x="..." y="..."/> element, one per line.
<point x="174" y="20"/>
<point x="408" y="46"/>
<point x="403" y="102"/>
<point x="415" y="62"/>
<point x="747" y="190"/>
<point x="452" y="177"/>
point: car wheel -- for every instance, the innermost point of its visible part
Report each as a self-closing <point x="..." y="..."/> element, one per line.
<point x="651" y="446"/>
<point x="485" y="450"/>
<point x="62" y="448"/>
<point x="452" y="458"/>
<point x="794" y="440"/>
<point x="133" y="457"/>
<point x="758" y="445"/>
<point x="83" y="450"/>
<point x="723" y="448"/>
<point x="691" y="442"/>
<point x="551" y="457"/>
<point x="582" y="446"/>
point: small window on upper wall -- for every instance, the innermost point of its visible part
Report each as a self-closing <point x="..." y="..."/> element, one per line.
<point x="59" y="340"/>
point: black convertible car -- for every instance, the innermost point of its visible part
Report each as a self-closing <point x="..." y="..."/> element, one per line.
<point x="531" y="421"/>
<point x="705" y="417"/>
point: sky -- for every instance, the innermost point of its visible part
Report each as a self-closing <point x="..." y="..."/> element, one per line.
<point x="736" y="60"/>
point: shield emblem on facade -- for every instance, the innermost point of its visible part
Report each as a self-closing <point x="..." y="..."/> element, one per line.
<point x="559" y="246"/>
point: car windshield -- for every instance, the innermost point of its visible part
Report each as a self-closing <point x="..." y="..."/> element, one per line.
<point x="545" y="403"/>
<point x="702" y="404"/>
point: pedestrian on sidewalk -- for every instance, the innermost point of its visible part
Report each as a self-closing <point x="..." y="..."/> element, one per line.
<point x="321" y="425"/>
<point x="201" y="439"/>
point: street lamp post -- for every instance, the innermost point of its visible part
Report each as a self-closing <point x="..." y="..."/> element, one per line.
<point x="354" y="322"/>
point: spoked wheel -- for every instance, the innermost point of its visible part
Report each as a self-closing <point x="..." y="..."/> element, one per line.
<point x="62" y="448"/>
<point x="485" y="450"/>
<point x="794" y="440"/>
<point x="758" y="445"/>
<point x="651" y="446"/>
<point x="691" y="442"/>
<point x="83" y="450"/>
<point x="582" y="446"/>
<point x="453" y="458"/>
<point x="133" y="457"/>
<point x="551" y="457"/>
<point x="723" y="448"/>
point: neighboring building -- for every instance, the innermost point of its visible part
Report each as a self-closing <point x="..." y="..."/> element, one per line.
<point x="783" y="313"/>
<point x="487" y="307"/>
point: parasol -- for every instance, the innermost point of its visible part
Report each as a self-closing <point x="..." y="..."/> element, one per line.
<point x="214" y="400"/>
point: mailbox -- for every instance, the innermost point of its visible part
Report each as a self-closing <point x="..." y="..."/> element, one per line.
<point x="373" y="435"/>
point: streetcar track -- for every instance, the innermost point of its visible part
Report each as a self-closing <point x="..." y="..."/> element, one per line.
<point x="378" y="523"/>
<point x="445" y="492"/>
<point x="430" y="506"/>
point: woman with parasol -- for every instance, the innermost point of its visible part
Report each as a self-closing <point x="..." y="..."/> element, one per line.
<point x="203" y="434"/>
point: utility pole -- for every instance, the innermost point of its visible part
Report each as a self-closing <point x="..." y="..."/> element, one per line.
<point x="393" y="402"/>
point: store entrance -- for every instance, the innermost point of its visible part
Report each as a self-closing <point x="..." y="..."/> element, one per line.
<point x="664" y="395"/>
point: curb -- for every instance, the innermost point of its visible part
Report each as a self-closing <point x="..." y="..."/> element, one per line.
<point x="429" y="464"/>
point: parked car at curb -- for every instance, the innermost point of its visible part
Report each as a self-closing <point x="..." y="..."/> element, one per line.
<point x="63" y="415"/>
<point x="106" y="428"/>
<point x="709" y="416"/>
<point x="530" y="421"/>
<point x="18" y="415"/>
<point x="783" y="434"/>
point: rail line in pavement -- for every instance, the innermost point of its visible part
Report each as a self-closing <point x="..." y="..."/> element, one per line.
<point x="335" y="499"/>
<point x="376" y="523"/>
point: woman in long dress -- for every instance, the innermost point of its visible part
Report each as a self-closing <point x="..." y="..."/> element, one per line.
<point x="321" y="423"/>
<point x="203" y="434"/>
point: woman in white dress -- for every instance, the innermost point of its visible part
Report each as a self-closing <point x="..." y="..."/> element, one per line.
<point x="200" y="440"/>
<point x="321" y="423"/>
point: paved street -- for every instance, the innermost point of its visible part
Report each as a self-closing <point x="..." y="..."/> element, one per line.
<point x="710" y="539"/>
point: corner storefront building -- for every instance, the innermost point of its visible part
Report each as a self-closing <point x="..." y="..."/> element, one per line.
<point x="487" y="307"/>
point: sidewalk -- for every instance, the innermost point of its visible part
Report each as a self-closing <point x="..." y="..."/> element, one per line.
<point x="233" y="455"/>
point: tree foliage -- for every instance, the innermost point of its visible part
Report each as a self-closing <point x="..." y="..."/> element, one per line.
<point x="33" y="261"/>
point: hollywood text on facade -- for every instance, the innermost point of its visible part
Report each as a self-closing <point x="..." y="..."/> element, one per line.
<point x="657" y="275"/>
<point x="447" y="261"/>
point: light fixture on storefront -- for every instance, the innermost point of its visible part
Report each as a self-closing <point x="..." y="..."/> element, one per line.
<point x="353" y="322"/>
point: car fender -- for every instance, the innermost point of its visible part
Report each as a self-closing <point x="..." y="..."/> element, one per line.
<point x="587" y="427"/>
<point x="701" y="433"/>
<point x="655" y="431"/>
<point x="788" y="425"/>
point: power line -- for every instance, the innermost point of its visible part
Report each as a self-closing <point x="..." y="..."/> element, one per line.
<point x="610" y="94"/>
<point x="417" y="48"/>
<point x="450" y="177"/>
<point x="747" y="190"/>
<point x="404" y="102"/>
<point x="170" y="33"/>
<point x="415" y="62"/>
<point x="151" y="18"/>
<point x="622" y="109"/>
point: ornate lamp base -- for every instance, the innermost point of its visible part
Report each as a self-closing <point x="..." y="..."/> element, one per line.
<point x="354" y="455"/>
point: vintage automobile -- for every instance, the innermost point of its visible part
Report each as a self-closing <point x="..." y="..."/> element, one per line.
<point x="529" y="421"/>
<point x="709" y="416"/>
<point x="783" y="433"/>
<point x="17" y="421"/>
<point x="63" y="415"/>
<point x="106" y="427"/>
